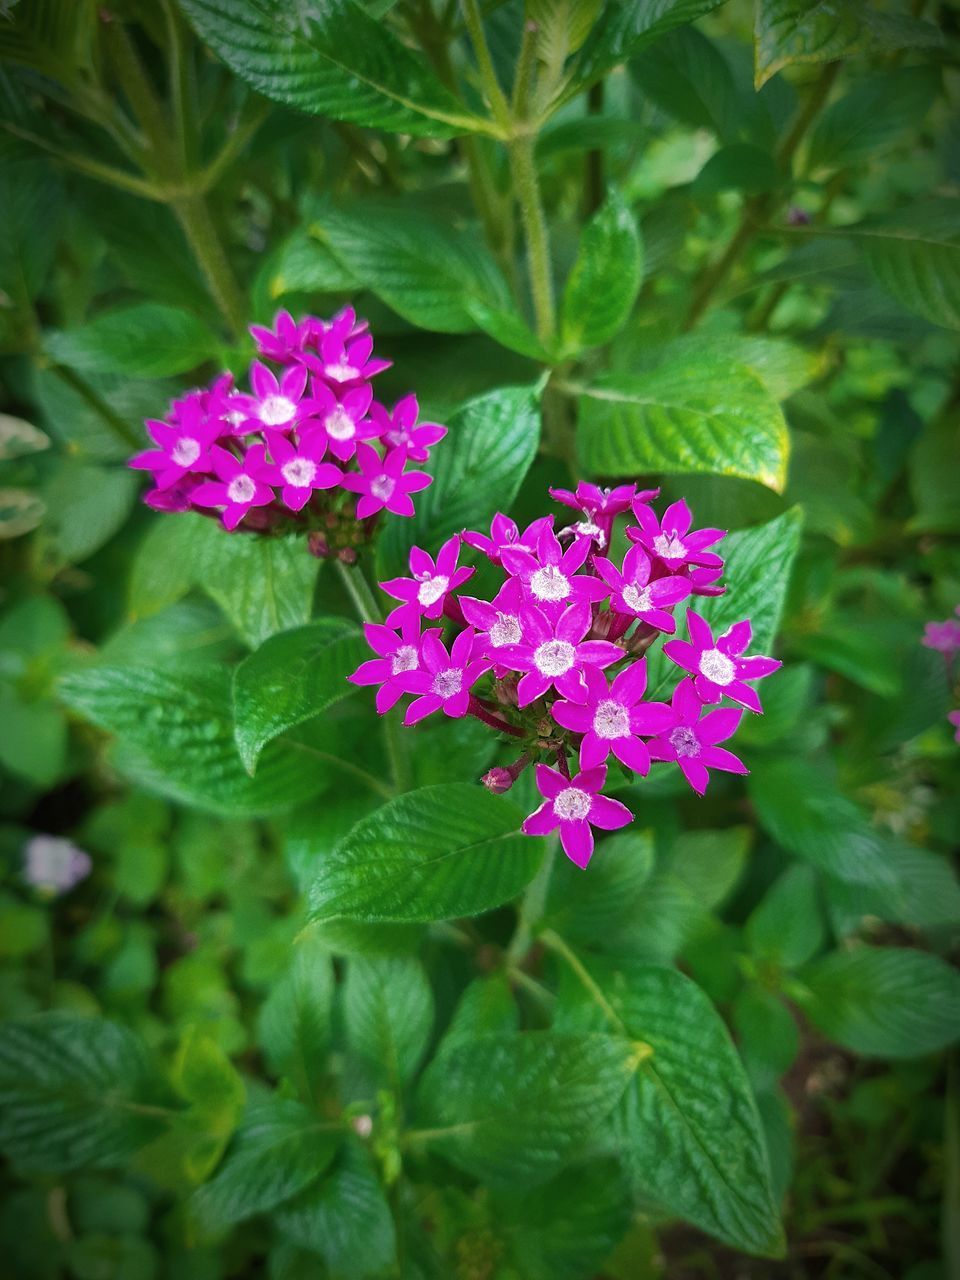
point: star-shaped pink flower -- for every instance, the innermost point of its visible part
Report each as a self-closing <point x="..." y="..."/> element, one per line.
<point x="691" y="741"/>
<point x="297" y="469"/>
<point x="443" y="681"/>
<point x="184" y="444"/>
<point x="426" y="592"/>
<point x="238" y="488"/>
<point x="554" y="654"/>
<point x="575" y="805"/>
<point x="504" y="533"/>
<point x="400" y="429"/>
<point x="342" y="422"/>
<point x="383" y="483"/>
<point x="397" y="654"/>
<point x="634" y="594"/>
<point x="612" y="717"/>
<point x="718" y="667"/>
<point x="671" y="539"/>
<point x="550" y="577"/>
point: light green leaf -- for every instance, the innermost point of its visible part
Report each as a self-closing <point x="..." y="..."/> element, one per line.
<point x="603" y="284"/>
<point x="563" y="25"/>
<point x="332" y="60"/>
<point x="477" y="470"/>
<point x="783" y="367"/>
<point x="279" y="1149"/>
<point x="486" y="1007"/>
<point x="345" y="1219"/>
<point x="20" y="512"/>
<point x="85" y="506"/>
<point x="922" y="890"/>
<point x="887" y="1002"/>
<point x="33" y="744"/>
<point x="148" y="340"/>
<point x="18" y="438"/>
<point x="388" y="1016"/>
<point x="294" y="1024"/>
<point x="688" y="1127"/>
<point x="605" y="905"/>
<point x="878" y="108"/>
<point x="263" y="585"/>
<point x="291" y="678"/>
<point x="422" y="267"/>
<point x="701" y="416"/>
<point x="434" y="854"/>
<point x="177" y="730"/>
<point x="303" y="264"/>
<point x="70" y="1090"/>
<point x="511" y="1108"/>
<point x="508" y="327"/>
<point x="787" y="926"/>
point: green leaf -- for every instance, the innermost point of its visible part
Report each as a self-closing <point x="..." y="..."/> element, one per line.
<point x="18" y="438"/>
<point x="70" y="1094"/>
<point x="388" y="1016"/>
<point x="562" y="27"/>
<point x="302" y="264"/>
<point x="279" y="1149"/>
<point x="768" y="1035"/>
<point x="606" y="904"/>
<point x="177" y="729"/>
<point x="624" y="28"/>
<point x="510" y="1109"/>
<point x="740" y="166"/>
<point x="701" y="416"/>
<point x="878" y="108"/>
<point x="605" y="280"/>
<point x="920" y="266"/>
<point x="805" y="31"/>
<point x="921" y="890"/>
<point x="294" y="1023"/>
<point x="345" y="1219"/>
<point x="33" y="744"/>
<point x="20" y="512"/>
<point x="148" y="340"/>
<point x="85" y="506"/>
<point x="487" y="1006"/>
<point x="291" y="678"/>
<point x="477" y="471"/>
<point x="688" y="76"/>
<point x="263" y="585"/>
<point x="422" y="267"/>
<point x="506" y="326"/>
<point x="887" y="1002"/>
<point x="332" y="60"/>
<point x="434" y="854"/>
<point x="783" y="367"/>
<point x="688" y="1127"/>
<point x="787" y="926"/>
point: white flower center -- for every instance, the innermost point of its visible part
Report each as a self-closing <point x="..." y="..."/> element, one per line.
<point x="403" y="659"/>
<point x="277" y="411"/>
<point x="447" y="683"/>
<point x="185" y="452"/>
<point x="382" y="487"/>
<point x="572" y="804"/>
<point x="341" y="372"/>
<point x="431" y="589"/>
<point x="586" y="529"/>
<point x="241" y="489"/>
<point x="636" y="599"/>
<point x="235" y="417"/>
<point x="611" y="720"/>
<point x="716" y="666"/>
<point x="506" y="630"/>
<point x="549" y="584"/>
<point x="685" y="742"/>
<point x="669" y="546"/>
<point x="299" y="472"/>
<point x="339" y="425"/>
<point x="554" y="657"/>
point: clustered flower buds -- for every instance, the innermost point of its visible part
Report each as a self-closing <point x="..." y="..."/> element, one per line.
<point x="307" y="447"/>
<point x="944" y="637"/>
<point x="555" y="660"/>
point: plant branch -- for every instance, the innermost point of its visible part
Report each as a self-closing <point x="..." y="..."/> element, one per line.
<point x="488" y="75"/>
<point x="527" y="189"/>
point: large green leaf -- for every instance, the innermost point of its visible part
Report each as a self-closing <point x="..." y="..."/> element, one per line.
<point x="434" y="854"/>
<point x="477" y="470"/>
<point x="688" y="76"/>
<point x="176" y="730"/>
<point x="511" y="1108"/>
<point x="294" y="1023"/>
<point x="888" y="1002"/>
<point x="345" y="1218"/>
<point x="871" y="115"/>
<point x="688" y="1127"/>
<point x="703" y="415"/>
<point x="148" y="340"/>
<point x="603" y="284"/>
<point x="331" y="60"/>
<point x="86" y="505"/>
<point x="291" y="678"/>
<point x="422" y="267"/>
<point x="787" y="926"/>
<point x="920" y="266"/>
<point x="279" y="1149"/>
<point x="388" y="1016"/>
<point x="71" y="1091"/>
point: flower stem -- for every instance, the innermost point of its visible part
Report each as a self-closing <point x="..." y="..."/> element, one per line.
<point x="478" y="710"/>
<point x="532" y="906"/>
<point x="357" y="588"/>
<point x="526" y="186"/>
<point x="488" y="76"/>
<point x="194" y="217"/>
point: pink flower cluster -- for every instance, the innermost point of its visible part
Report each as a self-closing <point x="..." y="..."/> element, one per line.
<point x="311" y="427"/>
<point x="560" y="651"/>
<point x="944" y="637"/>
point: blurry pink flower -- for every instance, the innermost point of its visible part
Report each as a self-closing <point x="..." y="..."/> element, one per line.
<point x="184" y="445"/>
<point x="297" y="470"/>
<point x="54" y="865"/>
<point x="942" y="636"/>
<point x="343" y="423"/>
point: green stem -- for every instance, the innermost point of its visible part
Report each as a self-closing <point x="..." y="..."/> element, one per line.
<point x="526" y="186"/>
<point x="358" y="589"/>
<point x="488" y="75"/>
<point x="194" y="217"/>
<point x="526" y="66"/>
<point x="556" y="944"/>
<point x="532" y="907"/>
<point x="118" y="425"/>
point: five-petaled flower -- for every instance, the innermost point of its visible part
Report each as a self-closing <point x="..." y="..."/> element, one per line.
<point x="691" y="740"/>
<point x="550" y="576"/>
<point x="671" y="539"/>
<point x="297" y="470"/>
<point x="397" y="654"/>
<point x="575" y="805"/>
<point x="443" y="680"/>
<point x="635" y="594"/>
<point x="612" y="718"/>
<point x="718" y="667"/>
<point x="383" y="483"/>
<point x="554" y="653"/>
<point x="238" y="487"/>
<point x="431" y="583"/>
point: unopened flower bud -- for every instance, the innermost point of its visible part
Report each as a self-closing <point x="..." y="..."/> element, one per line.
<point x="318" y="545"/>
<point x="347" y="555"/>
<point x="497" y="780"/>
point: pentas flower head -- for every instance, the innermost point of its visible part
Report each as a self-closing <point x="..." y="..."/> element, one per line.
<point x="671" y="539"/>
<point x="427" y="590"/>
<point x="283" y="455"/>
<point x="942" y="636"/>
<point x="594" y="501"/>
<point x="613" y="718"/>
<point x="383" y="483"/>
<point x="719" y="667"/>
<point x="398" y="654"/>
<point x="498" y="620"/>
<point x="691" y="739"/>
<point x="399" y="429"/>
<point x="633" y="593"/>
<point x="443" y="680"/>
<point x="575" y="805"/>
<point x="550" y="577"/>
<point x="954" y="718"/>
<point x="554" y="654"/>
